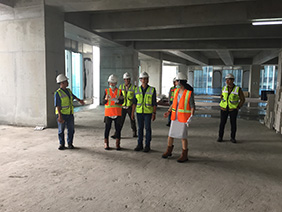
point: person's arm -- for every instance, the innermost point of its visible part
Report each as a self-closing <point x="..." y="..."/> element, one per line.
<point x="79" y="100"/>
<point x="242" y="98"/>
<point x="58" y="107"/>
<point x="120" y="99"/>
<point x="105" y="98"/>
<point x="134" y="102"/>
<point x="154" y="103"/>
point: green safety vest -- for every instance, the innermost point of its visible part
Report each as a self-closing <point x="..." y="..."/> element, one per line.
<point x="128" y="95"/>
<point x="172" y="89"/>
<point x="144" y="104"/>
<point x="66" y="102"/>
<point x="232" y="101"/>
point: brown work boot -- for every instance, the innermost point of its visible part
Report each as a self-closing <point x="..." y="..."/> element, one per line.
<point x="168" y="151"/>
<point x="183" y="157"/>
<point x="118" y="144"/>
<point x="106" y="144"/>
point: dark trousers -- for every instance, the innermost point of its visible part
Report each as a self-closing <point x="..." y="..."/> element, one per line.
<point x="69" y="123"/>
<point x="144" y="120"/>
<point x="132" y="122"/>
<point x="169" y="116"/>
<point x="233" y="121"/>
<point x="108" y="124"/>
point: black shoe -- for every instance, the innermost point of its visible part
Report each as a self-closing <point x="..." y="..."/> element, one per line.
<point x="113" y="137"/>
<point x="147" y="149"/>
<point x="138" y="148"/>
<point x="61" y="147"/>
<point x="168" y="125"/>
<point x="219" y="139"/>
<point x="70" y="146"/>
<point x="233" y="140"/>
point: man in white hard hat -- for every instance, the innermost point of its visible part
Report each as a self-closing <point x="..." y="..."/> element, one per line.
<point x="232" y="99"/>
<point x="64" y="110"/>
<point x="113" y="100"/>
<point x="145" y="103"/>
<point x="128" y="93"/>
<point x="170" y="96"/>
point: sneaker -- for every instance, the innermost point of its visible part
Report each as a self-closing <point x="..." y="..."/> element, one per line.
<point x="233" y="140"/>
<point x="71" y="146"/>
<point x="219" y="139"/>
<point x="61" y="147"/>
<point x="138" y="148"/>
<point x="147" y="149"/>
<point x="113" y="136"/>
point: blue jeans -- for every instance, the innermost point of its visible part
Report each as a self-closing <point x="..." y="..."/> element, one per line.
<point x="69" y="122"/>
<point x="144" y="119"/>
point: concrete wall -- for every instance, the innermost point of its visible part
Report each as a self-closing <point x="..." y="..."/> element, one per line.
<point x="117" y="61"/>
<point x="154" y="69"/>
<point x="28" y="63"/>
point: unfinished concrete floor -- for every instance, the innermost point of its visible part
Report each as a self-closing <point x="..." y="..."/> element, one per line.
<point x="246" y="176"/>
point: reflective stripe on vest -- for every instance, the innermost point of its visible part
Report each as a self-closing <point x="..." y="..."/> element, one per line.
<point x="144" y="104"/>
<point x="172" y="89"/>
<point x="112" y="108"/>
<point x="66" y="102"/>
<point x="128" y="95"/>
<point x="232" y="101"/>
<point x="184" y="109"/>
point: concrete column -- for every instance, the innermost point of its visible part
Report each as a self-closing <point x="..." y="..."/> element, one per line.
<point x="117" y="61"/>
<point x="30" y="55"/>
<point x="154" y="69"/>
<point x="191" y="76"/>
<point x="254" y="81"/>
<point x="279" y="75"/>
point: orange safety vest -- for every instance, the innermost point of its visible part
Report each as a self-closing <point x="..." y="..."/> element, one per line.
<point x="184" y="110"/>
<point x="112" y="108"/>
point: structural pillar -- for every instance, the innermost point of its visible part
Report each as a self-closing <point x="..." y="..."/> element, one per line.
<point x="254" y="81"/>
<point x="191" y="76"/>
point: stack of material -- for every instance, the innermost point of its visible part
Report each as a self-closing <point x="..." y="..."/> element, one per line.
<point x="278" y="111"/>
<point x="269" y="116"/>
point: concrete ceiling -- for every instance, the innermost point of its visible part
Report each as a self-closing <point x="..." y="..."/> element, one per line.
<point x="193" y="32"/>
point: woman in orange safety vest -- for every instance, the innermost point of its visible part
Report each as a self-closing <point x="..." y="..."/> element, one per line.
<point x="113" y="101"/>
<point x="182" y="111"/>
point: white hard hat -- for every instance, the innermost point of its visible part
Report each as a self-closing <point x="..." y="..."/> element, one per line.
<point x="143" y="75"/>
<point x="61" y="78"/>
<point x="112" y="79"/>
<point x="181" y="76"/>
<point x="126" y="76"/>
<point x="229" y="76"/>
<point x="174" y="79"/>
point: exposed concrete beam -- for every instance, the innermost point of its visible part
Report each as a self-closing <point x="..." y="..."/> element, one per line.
<point x="239" y="31"/>
<point x="265" y="56"/>
<point x="237" y="61"/>
<point x="186" y="16"/>
<point x="226" y="57"/>
<point x="110" y="5"/>
<point x="9" y="3"/>
<point x="194" y="57"/>
<point x="258" y="44"/>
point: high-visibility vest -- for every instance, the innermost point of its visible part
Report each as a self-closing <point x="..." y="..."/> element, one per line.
<point x="232" y="101"/>
<point x="144" y="104"/>
<point x="128" y="95"/>
<point x="112" y="108"/>
<point x="172" y="89"/>
<point x="184" y="109"/>
<point x="66" y="102"/>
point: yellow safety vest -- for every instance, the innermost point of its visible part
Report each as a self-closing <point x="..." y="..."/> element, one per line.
<point x="128" y="95"/>
<point x="66" y="102"/>
<point x="232" y="101"/>
<point x="144" y="104"/>
<point x="172" y="89"/>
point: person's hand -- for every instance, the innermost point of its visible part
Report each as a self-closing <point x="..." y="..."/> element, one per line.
<point x="60" y="119"/>
<point x="81" y="102"/>
<point x="166" y="114"/>
<point x="189" y="121"/>
<point x="153" y="116"/>
<point x="132" y="116"/>
<point x="107" y="97"/>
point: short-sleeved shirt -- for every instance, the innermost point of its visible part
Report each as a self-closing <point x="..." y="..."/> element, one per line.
<point x="57" y="99"/>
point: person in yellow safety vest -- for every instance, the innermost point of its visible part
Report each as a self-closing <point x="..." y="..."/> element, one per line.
<point x="128" y="93"/>
<point x="171" y="96"/>
<point x="113" y="100"/>
<point x="232" y="99"/>
<point x="63" y="99"/>
<point x="145" y="103"/>
<point x="182" y="111"/>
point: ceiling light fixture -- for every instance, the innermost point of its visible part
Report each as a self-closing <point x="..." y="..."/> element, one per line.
<point x="267" y="23"/>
